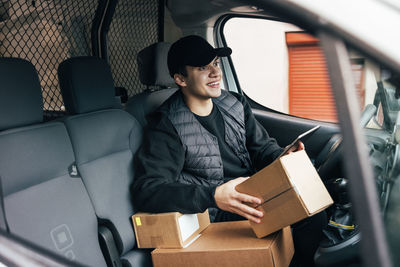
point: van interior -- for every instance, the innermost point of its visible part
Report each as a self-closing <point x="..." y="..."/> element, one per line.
<point x="78" y="79"/>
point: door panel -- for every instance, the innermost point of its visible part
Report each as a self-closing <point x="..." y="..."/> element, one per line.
<point x="285" y="128"/>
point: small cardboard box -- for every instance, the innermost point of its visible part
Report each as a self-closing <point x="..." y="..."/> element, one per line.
<point x="290" y="189"/>
<point x="230" y="244"/>
<point x="168" y="230"/>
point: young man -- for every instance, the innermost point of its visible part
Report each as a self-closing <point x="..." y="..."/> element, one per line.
<point x="202" y="142"/>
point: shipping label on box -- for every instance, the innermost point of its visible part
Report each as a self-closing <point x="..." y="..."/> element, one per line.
<point x="290" y="189"/>
<point x="168" y="230"/>
<point x="229" y="244"/>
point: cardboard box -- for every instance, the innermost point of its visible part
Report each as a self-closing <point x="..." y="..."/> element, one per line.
<point x="290" y="189"/>
<point x="230" y="244"/>
<point x="168" y="230"/>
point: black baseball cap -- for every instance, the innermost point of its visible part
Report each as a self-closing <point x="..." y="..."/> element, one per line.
<point x="193" y="51"/>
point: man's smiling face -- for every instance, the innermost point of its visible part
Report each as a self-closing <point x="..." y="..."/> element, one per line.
<point x="203" y="82"/>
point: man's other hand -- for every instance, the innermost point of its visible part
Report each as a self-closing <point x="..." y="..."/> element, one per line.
<point x="228" y="199"/>
<point x="298" y="147"/>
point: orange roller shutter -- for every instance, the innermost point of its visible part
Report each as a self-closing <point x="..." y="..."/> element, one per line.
<point x="309" y="86"/>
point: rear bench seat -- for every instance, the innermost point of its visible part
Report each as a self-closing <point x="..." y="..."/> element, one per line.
<point x="44" y="201"/>
<point x="104" y="141"/>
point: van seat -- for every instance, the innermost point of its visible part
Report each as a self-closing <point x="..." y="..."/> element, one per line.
<point x="104" y="141"/>
<point x="44" y="202"/>
<point x="153" y="72"/>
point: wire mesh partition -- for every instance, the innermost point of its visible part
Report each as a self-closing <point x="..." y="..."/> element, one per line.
<point x="134" y="26"/>
<point x="45" y="33"/>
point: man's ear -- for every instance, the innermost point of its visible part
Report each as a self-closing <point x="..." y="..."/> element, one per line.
<point x="179" y="80"/>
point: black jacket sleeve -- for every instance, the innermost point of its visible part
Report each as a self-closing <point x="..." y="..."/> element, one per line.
<point x="262" y="148"/>
<point x="158" y="164"/>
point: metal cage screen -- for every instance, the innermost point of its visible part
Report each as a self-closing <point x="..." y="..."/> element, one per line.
<point x="48" y="32"/>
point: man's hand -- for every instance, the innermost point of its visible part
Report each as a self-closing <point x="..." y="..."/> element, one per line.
<point x="228" y="199"/>
<point x="298" y="147"/>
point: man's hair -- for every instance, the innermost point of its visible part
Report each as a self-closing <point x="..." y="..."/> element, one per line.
<point x="182" y="70"/>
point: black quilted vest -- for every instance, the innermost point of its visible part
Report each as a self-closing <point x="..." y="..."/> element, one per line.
<point x="203" y="163"/>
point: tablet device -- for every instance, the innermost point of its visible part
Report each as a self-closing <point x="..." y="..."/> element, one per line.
<point x="302" y="137"/>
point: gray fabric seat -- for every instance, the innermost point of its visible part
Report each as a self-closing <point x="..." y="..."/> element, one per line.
<point x="104" y="141"/>
<point x="153" y="72"/>
<point x="43" y="203"/>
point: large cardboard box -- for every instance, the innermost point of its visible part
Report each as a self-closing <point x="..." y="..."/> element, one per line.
<point x="290" y="189"/>
<point x="230" y="244"/>
<point x="168" y="230"/>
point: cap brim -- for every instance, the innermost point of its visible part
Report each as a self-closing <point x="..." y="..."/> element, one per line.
<point x="223" y="52"/>
<point x="207" y="58"/>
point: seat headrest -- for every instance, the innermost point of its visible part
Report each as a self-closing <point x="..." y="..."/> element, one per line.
<point x="86" y="84"/>
<point x="20" y="94"/>
<point x="152" y="64"/>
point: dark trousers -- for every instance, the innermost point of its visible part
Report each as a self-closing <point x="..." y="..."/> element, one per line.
<point x="306" y="233"/>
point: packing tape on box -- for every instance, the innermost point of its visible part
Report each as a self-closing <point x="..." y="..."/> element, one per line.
<point x="281" y="193"/>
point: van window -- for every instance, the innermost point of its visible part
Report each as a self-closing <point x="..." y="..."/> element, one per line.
<point x="282" y="67"/>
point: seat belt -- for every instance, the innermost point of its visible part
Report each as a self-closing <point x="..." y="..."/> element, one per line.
<point x="3" y="219"/>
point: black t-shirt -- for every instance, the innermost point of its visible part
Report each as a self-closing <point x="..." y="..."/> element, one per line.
<point x="214" y="123"/>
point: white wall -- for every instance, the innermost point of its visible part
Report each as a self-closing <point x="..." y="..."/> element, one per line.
<point x="260" y="57"/>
